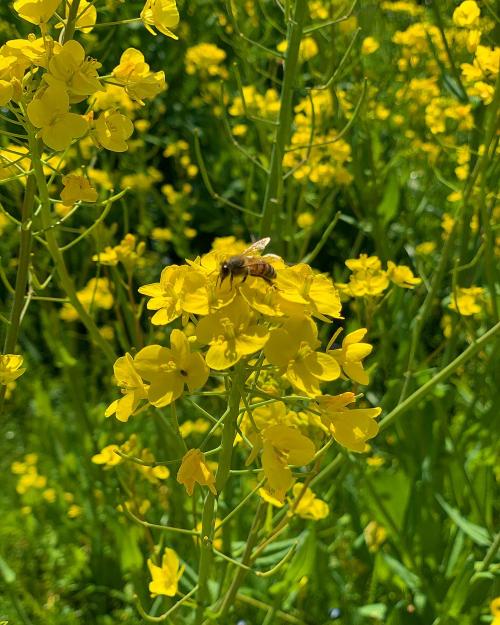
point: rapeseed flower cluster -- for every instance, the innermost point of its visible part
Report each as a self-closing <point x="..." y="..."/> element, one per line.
<point x="250" y="323"/>
<point x="368" y="279"/>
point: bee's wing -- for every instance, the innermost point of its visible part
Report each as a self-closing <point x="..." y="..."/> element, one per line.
<point x="258" y="246"/>
<point x="271" y="257"/>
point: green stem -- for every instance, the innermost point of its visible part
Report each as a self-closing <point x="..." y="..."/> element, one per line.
<point x="69" y="31"/>
<point x="223" y="472"/>
<point x="274" y="187"/>
<point x="22" y="275"/>
<point x="55" y="251"/>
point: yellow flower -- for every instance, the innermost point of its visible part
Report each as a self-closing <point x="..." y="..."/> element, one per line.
<point x="369" y="46"/>
<point x="77" y="188"/>
<point x="305" y="292"/>
<point x="161" y="234"/>
<point x="375" y="536"/>
<point x="305" y="220"/>
<point x="135" y="76"/>
<point x="402" y="275"/>
<point x="291" y="348"/>
<point x="49" y="111"/>
<point x="166" y="295"/>
<point x="36" y="11"/>
<point x="165" y="577"/>
<point x="107" y="456"/>
<point x="71" y="70"/>
<point x="351" y="354"/>
<point x="162" y="14"/>
<point x="6" y="92"/>
<point x="168" y="370"/>
<point x="368" y="277"/>
<point x="495" y="610"/>
<point x="74" y="511"/>
<point x="194" y="469"/>
<point x="10" y="368"/>
<point x="425" y="248"/>
<point x="132" y="387"/>
<point x="468" y="301"/>
<point x="350" y="428"/>
<point x="466" y="14"/>
<point x="283" y="446"/>
<point x="231" y="334"/>
<point x="308" y="506"/>
<point x="111" y="130"/>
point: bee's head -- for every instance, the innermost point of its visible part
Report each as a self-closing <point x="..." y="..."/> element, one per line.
<point x="224" y="271"/>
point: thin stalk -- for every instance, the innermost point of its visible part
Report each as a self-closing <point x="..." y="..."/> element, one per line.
<point x="274" y="187"/>
<point x="223" y="472"/>
<point x="55" y="252"/>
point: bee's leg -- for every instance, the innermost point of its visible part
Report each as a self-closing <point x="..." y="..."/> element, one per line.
<point x="247" y="273"/>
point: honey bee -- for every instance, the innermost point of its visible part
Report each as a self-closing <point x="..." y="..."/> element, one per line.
<point x="245" y="264"/>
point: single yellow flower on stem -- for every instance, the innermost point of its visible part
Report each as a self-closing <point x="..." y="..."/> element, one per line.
<point x="193" y="470"/>
<point x="284" y="445"/>
<point x="350" y="428"/>
<point x="135" y="76"/>
<point x="10" y="368"/>
<point x="369" y="46"/>
<point x="351" y="354"/>
<point x="231" y="334"/>
<point x="169" y="370"/>
<point x="167" y="294"/>
<point x="36" y="11"/>
<point x="291" y="348"/>
<point x="49" y="111"/>
<point x="107" y="456"/>
<point x="111" y="131"/>
<point x="375" y="536"/>
<point x="466" y="14"/>
<point x="77" y="188"/>
<point x="468" y="301"/>
<point x="162" y="14"/>
<point x="78" y="75"/>
<point x="402" y="275"/>
<point x="308" y="506"/>
<point x="304" y="292"/>
<point x="132" y="387"/>
<point x="165" y="578"/>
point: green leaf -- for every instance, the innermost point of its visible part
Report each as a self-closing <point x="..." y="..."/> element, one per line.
<point x="373" y="610"/>
<point x="475" y="532"/>
<point x="409" y="578"/>
<point x="388" y="207"/>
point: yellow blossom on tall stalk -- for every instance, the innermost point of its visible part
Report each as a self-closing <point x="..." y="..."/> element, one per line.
<point x="193" y="470"/>
<point x="161" y="14"/>
<point x="10" y="368"/>
<point x="292" y="349"/>
<point x="351" y="355"/>
<point x="231" y="334"/>
<point x="165" y="578"/>
<point x="306" y="505"/>
<point x="351" y="428"/>
<point x="70" y="69"/>
<point x="37" y="12"/>
<point x="134" y="75"/>
<point x="132" y="387"/>
<point x="111" y="131"/>
<point x="169" y="370"/>
<point x="49" y="112"/>
<point x="77" y="188"/>
<point x="468" y="301"/>
<point x="283" y="445"/>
